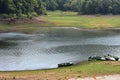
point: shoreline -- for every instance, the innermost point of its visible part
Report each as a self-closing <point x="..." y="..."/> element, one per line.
<point x="75" y="72"/>
<point x="34" y="29"/>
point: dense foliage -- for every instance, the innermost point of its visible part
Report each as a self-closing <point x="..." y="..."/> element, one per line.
<point x="85" y="6"/>
<point x="28" y="8"/>
<point x="94" y="6"/>
<point x="21" y="8"/>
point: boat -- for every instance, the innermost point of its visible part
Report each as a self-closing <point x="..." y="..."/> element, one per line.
<point x="96" y="58"/>
<point x="116" y="58"/>
<point x="105" y="58"/>
<point x="65" y="64"/>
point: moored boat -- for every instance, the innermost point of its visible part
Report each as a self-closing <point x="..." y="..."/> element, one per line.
<point x="105" y="58"/>
<point x="65" y="64"/>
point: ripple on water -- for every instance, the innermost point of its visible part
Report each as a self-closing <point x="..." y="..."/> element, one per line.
<point x="39" y="51"/>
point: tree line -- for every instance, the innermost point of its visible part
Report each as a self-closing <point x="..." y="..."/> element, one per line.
<point x="28" y="8"/>
<point x="85" y="6"/>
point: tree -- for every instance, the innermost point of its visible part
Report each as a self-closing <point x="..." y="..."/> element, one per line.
<point x="22" y="7"/>
<point x="40" y="8"/>
<point x="51" y="4"/>
<point x="7" y="6"/>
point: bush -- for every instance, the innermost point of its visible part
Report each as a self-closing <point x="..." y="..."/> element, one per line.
<point x="80" y="13"/>
<point x="34" y="14"/>
<point x="4" y="16"/>
<point x="110" y="14"/>
<point x="12" y="16"/>
<point x="98" y="15"/>
<point x="14" y="78"/>
<point x="29" y="16"/>
<point x="78" y="76"/>
<point x="22" y="16"/>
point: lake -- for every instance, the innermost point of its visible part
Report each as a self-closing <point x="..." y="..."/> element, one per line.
<point x="46" y="49"/>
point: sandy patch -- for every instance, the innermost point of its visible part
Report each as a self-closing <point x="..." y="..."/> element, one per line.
<point x="116" y="63"/>
<point x="107" y="77"/>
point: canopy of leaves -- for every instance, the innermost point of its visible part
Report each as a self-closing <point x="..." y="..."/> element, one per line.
<point x="28" y="8"/>
<point x="22" y="7"/>
<point x="85" y="6"/>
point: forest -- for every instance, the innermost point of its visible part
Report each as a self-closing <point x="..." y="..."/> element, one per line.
<point x="85" y="6"/>
<point x="29" y="8"/>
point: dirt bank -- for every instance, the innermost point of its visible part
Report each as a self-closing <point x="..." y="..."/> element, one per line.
<point x="22" y="21"/>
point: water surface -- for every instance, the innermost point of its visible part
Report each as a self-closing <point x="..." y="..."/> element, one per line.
<point x="45" y="49"/>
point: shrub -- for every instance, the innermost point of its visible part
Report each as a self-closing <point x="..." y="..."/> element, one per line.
<point x="12" y="16"/>
<point x="14" y="78"/>
<point x="78" y="76"/>
<point x="4" y="16"/>
<point x="80" y="13"/>
<point x="22" y="16"/>
<point x="98" y="15"/>
<point x="34" y="14"/>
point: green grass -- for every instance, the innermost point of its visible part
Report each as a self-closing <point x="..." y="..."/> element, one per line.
<point x="80" y="70"/>
<point x="66" y="19"/>
<point x="25" y="28"/>
<point x="72" y="19"/>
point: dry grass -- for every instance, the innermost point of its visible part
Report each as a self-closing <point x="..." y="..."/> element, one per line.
<point x="117" y="63"/>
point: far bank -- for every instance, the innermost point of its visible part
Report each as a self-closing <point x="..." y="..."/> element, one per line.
<point x="61" y="19"/>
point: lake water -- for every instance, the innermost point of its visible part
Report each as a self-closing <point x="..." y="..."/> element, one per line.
<point x="46" y="49"/>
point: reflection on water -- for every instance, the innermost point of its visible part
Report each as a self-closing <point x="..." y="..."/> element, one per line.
<point x="5" y="44"/>
<point x="48" y="48"/>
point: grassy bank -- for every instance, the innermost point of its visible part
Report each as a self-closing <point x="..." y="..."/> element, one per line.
<point x="65" y="19"/>
<point x="79" y="70"/>
<point x="83" y="21"/>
